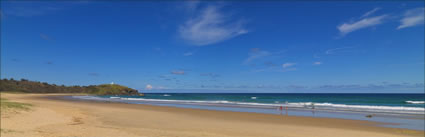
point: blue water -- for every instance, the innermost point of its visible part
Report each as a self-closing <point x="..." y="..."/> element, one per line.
<point x="402" y="110"/>
<point x="348" y="99"/>
<point x="373" y="103"/>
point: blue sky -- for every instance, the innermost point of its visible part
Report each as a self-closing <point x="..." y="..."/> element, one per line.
<point x="195" y="46"/>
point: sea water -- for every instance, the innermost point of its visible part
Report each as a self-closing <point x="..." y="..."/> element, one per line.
<point x="402" y="110"/>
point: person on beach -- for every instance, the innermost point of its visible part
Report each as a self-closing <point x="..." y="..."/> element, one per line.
<point x="281" y="109"/>
<point x="312" y="108"/>
<point x="286" y="108"/>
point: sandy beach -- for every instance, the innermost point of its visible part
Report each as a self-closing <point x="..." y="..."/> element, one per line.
<point x="64" y="118"/>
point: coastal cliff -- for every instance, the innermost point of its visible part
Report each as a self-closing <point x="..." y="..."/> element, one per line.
<point x="27" y="86"/>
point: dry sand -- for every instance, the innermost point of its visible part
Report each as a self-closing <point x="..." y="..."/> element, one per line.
<point x="62" y="118"/>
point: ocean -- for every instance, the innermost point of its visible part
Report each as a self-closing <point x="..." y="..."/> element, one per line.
<point x="389" y="103"/>
<point x="403" y="110"/>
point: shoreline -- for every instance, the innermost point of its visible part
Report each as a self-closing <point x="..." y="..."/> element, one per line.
<point x="121" y="119"/>
<point x="242" y="105"/>
<point x="158" y="99"/>
<point x="394" y="120"/>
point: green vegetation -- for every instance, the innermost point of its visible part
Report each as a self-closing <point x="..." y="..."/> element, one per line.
<point x="6" y="131"/>
<point x="27" y="86"/>
<point x="109" y="89"/>
<point x="6" y="105"/>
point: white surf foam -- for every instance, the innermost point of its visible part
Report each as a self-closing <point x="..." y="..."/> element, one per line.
<point x="308" y="105"/>
<point x="399" y="109"/>
<point x="415" y="102"/>
<point x="363" y="107"/>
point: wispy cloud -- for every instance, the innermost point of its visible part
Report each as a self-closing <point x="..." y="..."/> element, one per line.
<point x="157" y="49"/>
<point x="210" y="26"/>
<point x="178" y="72"/>
<point x="270" y="64"/>
<point x="370" y="12"/>
<point x="30" y="9"/>
<point x="212" y="75"/>
<point x="287" y="65"/>
<point x="188" y="54"/>
<point x="44" y="36"/>
<point x="330" y="88"/>
<point x="49" y="63"/>
<point x="360" y="24"/>
<point x="317" y="63"/>
<point x="36" y="8"/>
<point x="412" y="18"/>
<point x="335" y="50"/>
<point x="316" y="56"/>
<point x="256" y="53"/>
<point x="387" y="86"/>
<point x="268" y="59"/>
<point x="149" y="87"/>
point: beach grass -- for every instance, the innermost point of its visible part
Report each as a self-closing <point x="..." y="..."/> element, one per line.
<point x="7" y="105"/>
<point x="6" y="130"/>
<point x="12" y="92"/>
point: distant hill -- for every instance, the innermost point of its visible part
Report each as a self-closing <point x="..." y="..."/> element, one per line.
<point x="27" y="86"/>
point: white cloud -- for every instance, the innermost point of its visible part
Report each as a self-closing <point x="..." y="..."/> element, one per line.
<point x="287" y="65"/>
<point x="412" y="17"/>
<point x="370" y="12"/>
<point x="284" y="68"/>
<point x="148" y="87"/>
<point x="363" y="23"/>
<point x="317" y="63"/>
<point x="209" y="27"/>
<point x="188" y="54"/>
<point x="256" y="53"/>
<point x="332" y="51"/>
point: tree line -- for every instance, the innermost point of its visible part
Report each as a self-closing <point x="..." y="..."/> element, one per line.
<point x="28" y="86"/>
